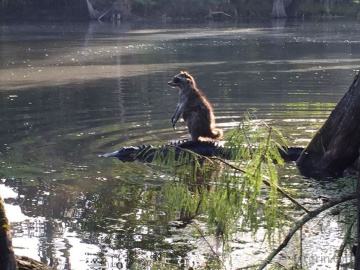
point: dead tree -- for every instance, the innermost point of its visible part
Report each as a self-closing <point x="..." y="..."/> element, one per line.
<point x="336" y="145"/>
<point x="278" y="10"/>
<point x="120" y="9"/>
<point x="93" y="13"/>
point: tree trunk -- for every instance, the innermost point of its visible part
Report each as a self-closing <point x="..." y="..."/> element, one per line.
<point x="292" y="9"/>
<point x="94" y="14"/>
<point x="278" y="10"/>
<point x="327" y="7"/>
<point x="123" y="8"/>
<point x="336" y="145"/>
<point x="357" y="253"/>
<point x="119" y="9"/>
<point x="7" y="257"/>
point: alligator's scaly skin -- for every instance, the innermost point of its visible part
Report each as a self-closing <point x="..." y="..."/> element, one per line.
<point x="146" y="153"/>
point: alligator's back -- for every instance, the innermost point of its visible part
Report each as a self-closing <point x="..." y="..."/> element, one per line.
<point x="146" y="153"/>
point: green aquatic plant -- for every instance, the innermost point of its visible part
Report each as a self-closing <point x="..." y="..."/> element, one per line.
<point x="230" y="195"/>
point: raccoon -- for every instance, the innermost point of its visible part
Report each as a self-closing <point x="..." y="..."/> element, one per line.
<point x="195" y="109"/>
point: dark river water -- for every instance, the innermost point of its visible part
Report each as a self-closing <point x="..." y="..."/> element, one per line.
<point x="70" y="91"/>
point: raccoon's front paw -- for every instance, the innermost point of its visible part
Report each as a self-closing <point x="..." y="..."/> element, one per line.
<point x="173" y="121"/>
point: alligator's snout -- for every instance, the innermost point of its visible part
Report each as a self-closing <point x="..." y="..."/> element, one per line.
<point x="112" y="154"/>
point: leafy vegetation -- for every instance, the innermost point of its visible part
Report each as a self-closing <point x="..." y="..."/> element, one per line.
<point x="228" y="192"/>
<point x="243" y="195"/>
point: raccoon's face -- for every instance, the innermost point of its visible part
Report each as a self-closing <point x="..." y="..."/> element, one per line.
<point x="181" y="80"/>
<point x="178" y="80"/>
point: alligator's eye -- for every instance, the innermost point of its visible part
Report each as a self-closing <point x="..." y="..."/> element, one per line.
<point x="177" y="80"/>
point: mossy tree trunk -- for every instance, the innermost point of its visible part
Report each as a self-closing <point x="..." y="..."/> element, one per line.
<point x="336" y="145"/>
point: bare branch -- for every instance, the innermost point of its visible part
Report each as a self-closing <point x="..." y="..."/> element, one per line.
<point x="266" y="182"/>
<point x="302" y="221"/>
<point x="344" y="243"/>
<point x="207" y="242"/>
<point x="228" y="164"/>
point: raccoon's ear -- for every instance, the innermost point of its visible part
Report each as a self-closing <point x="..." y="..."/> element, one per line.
<point x="190" y="81"/>
<point x="187" y="75"/>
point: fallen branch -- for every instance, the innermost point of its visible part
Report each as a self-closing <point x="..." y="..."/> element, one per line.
<point x="301" y="223"/>
<point x="103" y="14"/>
<point x="217" y="14"/>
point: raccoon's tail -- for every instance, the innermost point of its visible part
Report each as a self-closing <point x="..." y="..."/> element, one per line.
<point x="216" y="133"/>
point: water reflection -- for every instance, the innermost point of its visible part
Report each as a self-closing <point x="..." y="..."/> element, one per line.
<point x="70" y="92"/>
<point x="108" y="222"/>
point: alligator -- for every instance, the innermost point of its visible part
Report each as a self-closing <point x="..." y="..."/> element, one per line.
<point x="146" y="153"/>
